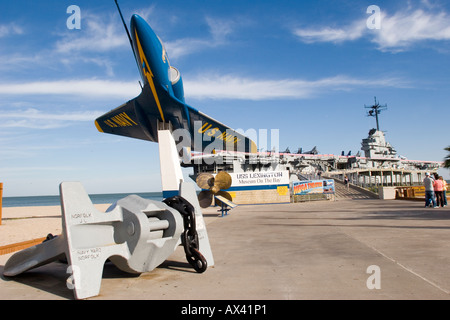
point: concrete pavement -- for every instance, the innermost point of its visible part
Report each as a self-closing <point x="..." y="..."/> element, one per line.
<point x="315" y="250"/>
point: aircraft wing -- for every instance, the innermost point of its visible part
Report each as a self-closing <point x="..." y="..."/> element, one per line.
<point x="213" y="132"/>
<point x="139" y="117"/>
<point x="127" y="120"/>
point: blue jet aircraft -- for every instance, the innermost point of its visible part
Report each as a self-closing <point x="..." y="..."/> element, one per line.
<point x="162" y="101"/>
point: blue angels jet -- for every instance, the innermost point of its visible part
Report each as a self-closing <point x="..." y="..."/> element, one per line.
<point x="162" y="100"/>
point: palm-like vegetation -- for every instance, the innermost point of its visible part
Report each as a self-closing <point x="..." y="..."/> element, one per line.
<point x="447" y="158"/>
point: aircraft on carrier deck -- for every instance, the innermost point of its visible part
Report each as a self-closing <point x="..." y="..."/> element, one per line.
<point x="161" y="104"/>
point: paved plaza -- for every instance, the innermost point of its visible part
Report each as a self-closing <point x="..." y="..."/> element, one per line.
<point x="345" y="249"/>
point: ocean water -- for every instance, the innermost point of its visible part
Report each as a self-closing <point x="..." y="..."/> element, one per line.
<point x="55" y="200"/>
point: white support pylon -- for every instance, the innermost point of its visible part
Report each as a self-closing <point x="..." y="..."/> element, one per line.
<point x="171" y="174"/>
<point x="173" y="184"/>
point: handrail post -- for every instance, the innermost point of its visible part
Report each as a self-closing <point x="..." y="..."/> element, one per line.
<point x="1" y="201"/>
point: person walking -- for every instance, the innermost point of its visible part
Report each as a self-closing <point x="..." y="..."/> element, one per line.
<point x="438" y="186"/>
<point x="444" y="193"/>
<point x="429" y="190"/>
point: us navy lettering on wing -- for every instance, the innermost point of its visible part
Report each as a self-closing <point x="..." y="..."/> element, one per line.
<point x="225" y="136"/>
<point x="120" y="120"/>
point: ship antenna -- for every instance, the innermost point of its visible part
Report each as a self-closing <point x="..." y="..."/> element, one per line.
<point x="129" y="36"/>
<point x="375" y="111"/>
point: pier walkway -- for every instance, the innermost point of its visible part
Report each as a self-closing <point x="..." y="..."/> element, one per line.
<point x="344" y="249"/>
<point x="352" y="192"/>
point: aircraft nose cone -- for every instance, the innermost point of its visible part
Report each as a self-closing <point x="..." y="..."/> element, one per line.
<point x="145" y="33"/>
<point x="137" y="22"/>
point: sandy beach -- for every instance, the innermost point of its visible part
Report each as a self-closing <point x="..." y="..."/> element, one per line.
<point x="28" y="223"/>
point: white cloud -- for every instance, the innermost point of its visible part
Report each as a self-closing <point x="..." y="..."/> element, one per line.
<point x="87" y="87"/>
<point x="231" y="87"/>
<point x="96" y="35"/>
<point x="35" y="114"/>
<point x="146" y="13"/>
<point x="328" y="34"/>
<point x="219" y="28"/>
<point x="19" y="61"/>
<point x="403" y="29"/>
<point x="33" y="118"/>
<point x="397" y="32"/>
<point x="218" y="33"/>
<point x="206" y="86"/>
<point x="10" y="29"/>
<point x="85" y="90"/>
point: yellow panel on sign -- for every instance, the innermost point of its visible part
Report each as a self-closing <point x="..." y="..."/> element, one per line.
<point x="282" y="190"/>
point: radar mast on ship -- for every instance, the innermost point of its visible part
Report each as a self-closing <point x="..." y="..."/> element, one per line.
<point x="375" y="111"/>
<point x="375" y="145"/>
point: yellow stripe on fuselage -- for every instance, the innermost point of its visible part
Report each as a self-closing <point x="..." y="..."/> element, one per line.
<point x="253" y="147"/>
<point x="149" y="75"/>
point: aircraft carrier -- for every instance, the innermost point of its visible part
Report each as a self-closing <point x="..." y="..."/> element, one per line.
<point x="267" y="177"/>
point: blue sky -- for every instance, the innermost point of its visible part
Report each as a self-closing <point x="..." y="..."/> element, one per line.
<point x="306" y="68"/>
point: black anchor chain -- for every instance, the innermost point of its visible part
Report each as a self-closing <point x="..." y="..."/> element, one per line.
<point x="189" y="238"/>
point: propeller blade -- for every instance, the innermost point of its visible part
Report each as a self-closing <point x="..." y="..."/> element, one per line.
<point x="205" y="180"/>
<point x="205" y="198"/>
<point x="222" y="180"/>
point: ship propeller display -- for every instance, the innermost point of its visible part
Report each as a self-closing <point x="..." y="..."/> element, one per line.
<point x="213" y="186"/>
